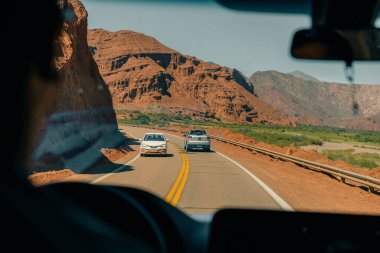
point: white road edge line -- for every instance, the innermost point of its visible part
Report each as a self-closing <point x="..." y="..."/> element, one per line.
<point x="115" y="171"/>
<point x="280" y="201"/>
<point x="97" y="180"/>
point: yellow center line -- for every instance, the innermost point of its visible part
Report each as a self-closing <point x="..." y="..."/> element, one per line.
<point x="176" y="183"/>
<point x="182" y="185"/>
<point x="180" y="182"/>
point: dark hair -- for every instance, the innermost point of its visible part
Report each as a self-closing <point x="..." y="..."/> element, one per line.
<point x="30" y="29"/>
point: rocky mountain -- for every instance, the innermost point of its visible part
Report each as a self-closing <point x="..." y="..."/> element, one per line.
<point x="368" y="123"/>
<point x="315" y="102"/>
<point x="81" y="120"/>
<point x="303" y="76"/>
<point x="141" y="72"/>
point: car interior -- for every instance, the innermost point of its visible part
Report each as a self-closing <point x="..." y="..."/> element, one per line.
<point x="340" y="31"/>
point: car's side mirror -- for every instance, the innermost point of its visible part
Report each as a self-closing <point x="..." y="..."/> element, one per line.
<point x="184" y="135"/>
<point x="167" y="140"/>
<point x="140" y="140"/>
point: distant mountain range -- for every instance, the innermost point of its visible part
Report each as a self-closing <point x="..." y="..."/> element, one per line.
<point x="303" y="76"/>
<point x="312" y="101"/>
<point x="142" y="73"/>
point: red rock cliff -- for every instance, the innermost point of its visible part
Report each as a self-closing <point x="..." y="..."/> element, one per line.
<point x="81" y="87"/>
<point x="82" y="119"/>
<point x="141" y="72"/>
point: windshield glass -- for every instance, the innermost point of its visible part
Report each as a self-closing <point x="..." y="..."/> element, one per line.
<point x="285" y="134"/>
<point x="154" y="137"/>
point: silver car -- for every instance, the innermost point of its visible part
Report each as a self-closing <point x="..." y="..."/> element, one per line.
<point x="197" y="139"/>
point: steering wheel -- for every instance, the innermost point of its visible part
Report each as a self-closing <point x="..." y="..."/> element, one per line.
<point x="114" y="206"/>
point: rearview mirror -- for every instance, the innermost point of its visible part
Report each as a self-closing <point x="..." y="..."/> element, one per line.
<point x="345" y="45"/>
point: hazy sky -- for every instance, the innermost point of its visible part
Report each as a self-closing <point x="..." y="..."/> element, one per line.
<point x="246" y="41"/>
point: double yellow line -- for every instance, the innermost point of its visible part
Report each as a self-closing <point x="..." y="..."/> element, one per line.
<point x="177" y="188"/>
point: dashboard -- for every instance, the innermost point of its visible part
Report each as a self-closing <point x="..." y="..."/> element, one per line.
<point x="143" y="215"/>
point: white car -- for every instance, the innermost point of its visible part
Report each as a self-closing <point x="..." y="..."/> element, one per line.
<point x="154" y="143"/>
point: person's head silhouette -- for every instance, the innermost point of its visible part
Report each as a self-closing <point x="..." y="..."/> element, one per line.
<point x="30" y="30"/>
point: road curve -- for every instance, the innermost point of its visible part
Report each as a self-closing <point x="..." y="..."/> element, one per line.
<point x="196" y="182"/>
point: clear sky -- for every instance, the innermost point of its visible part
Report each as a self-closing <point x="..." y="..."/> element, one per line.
<point x="246" y="41"/>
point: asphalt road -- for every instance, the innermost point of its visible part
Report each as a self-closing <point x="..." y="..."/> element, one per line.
<point x="197" y="182"/>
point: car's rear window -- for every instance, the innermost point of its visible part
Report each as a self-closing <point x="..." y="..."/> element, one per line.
<point x="197" y="132"/>
<point x="154" y="137"/>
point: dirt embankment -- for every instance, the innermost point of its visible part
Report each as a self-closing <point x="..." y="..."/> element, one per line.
<point x="54" y="176"/>
<point x="50" y="177"/>
<point x="117" y="153"/>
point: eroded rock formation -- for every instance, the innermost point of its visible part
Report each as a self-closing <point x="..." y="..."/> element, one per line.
<point x="140" y="72"/>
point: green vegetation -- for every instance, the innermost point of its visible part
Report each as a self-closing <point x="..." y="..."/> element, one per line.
<point x="300" y="135"/>
<point x="363" y="160"/>
<point x="151" y="119"/>
<point x="139" y="118"/>
<point x="277" y="135"/>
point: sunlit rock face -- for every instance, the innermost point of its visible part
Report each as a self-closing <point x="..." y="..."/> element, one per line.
<point x="81" y="119"/>
<point x="141" y="72"/>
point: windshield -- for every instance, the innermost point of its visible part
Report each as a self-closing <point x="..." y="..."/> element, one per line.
<point x="153" y="137"/>
<point x="285" y="134"/>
